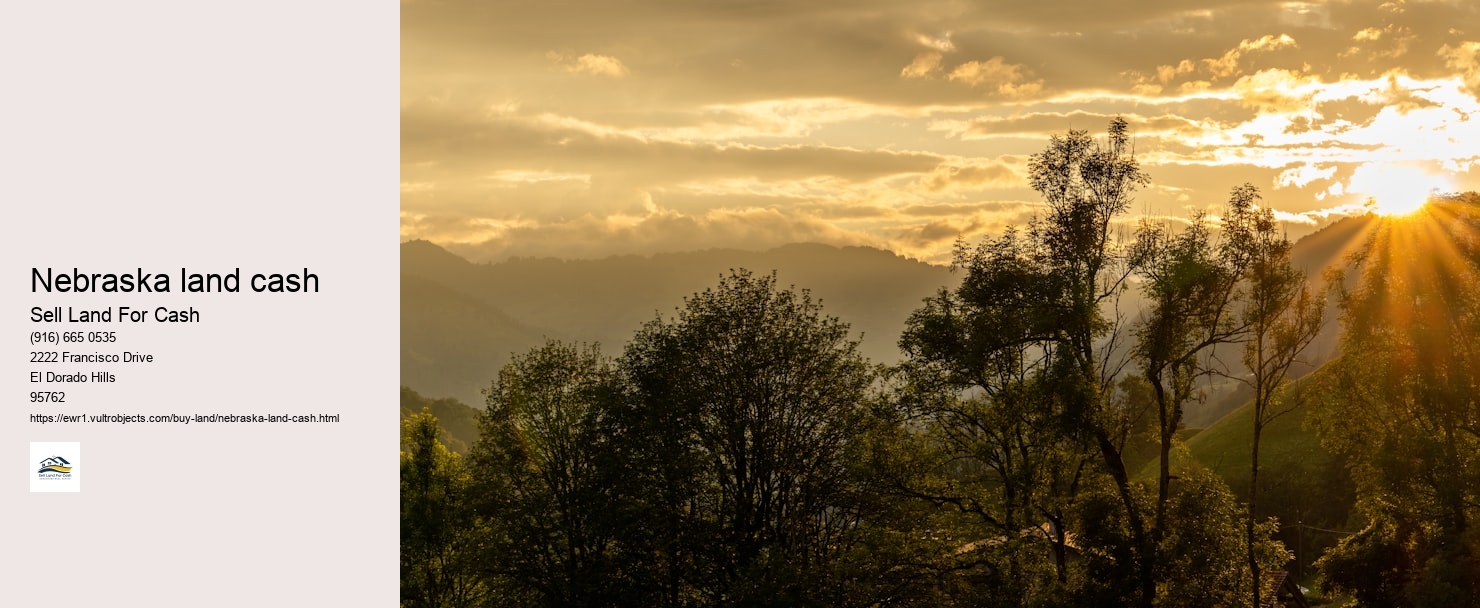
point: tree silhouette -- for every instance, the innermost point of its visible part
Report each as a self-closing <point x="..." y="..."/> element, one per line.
<point x="742" y="414"/>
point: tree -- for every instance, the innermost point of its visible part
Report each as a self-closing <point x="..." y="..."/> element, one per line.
<point x="994" y="460"/>
<point x="1282" y="317"/>
<point x="1190" y="289"/>
<point x="1081" y="271"/>
<point x="985" y="439"/>
<point x="540" y="470"/>
<point x="745" y="412"/>
<point x="1402" y="408"/>
<point x="1193" y="286"/>
<point x="1205" y="294"/>
<point x="1034" y="346"/>
<point x="1035" y="303"/>
<point x="439" y="534"/>
<point x="1204" y="558"/>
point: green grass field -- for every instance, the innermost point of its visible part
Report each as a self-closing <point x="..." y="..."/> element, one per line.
<point x="1301" y="483"/>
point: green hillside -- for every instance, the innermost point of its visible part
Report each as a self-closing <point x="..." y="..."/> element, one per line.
<point x="459" y="422"/>
<point x="1225" y="446"/>
<point x="1300" y="482"/>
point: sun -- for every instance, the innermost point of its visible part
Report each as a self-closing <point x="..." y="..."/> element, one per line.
<point x="1397" y="205"/>
<point x="1396" y="190"/>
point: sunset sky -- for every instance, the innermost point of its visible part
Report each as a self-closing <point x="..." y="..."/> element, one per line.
<point x="585" y="129"/>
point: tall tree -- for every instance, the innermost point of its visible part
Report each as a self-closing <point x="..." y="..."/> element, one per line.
<point x="744" y="410"/>
<point x="1403" y="409"/>
<point x="1281" y="317"/>
<point x="1204" y="294"/>
<point x="988" y="439"/>
<point x="1035" y="344"/>
<point x="439" y="534"/>
<point x="540" y="469"/>
<point x="1190" y="290"/>
<point x="1046" y="298"/>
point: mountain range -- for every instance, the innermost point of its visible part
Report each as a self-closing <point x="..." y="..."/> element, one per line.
<point x="461" y="321"/>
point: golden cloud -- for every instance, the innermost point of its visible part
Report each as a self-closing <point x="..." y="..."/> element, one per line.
<point x="1224" y="66"/>
<point x="1464" y="58"/>
<point x="1010" y="80"/>
<point x="970" y="174"/>
<point x="924" y="65"/>
<point x="590" y="63"/>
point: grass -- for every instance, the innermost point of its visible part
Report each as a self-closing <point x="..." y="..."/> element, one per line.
<point x="1301" y="484"/>
<point x="1285" y="445"/>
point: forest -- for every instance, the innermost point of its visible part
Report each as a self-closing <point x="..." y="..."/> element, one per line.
<point x="1029" y="447"/>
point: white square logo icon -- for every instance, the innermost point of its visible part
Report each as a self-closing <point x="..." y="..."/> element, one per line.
<point x="55" y="466"/>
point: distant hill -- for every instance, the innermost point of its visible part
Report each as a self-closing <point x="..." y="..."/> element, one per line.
<point x="1329" y="247"/>
<point x="1313" y="254"/>
<point x="459" y="422"/>
<point x="452" y="344"/>
<point x="1301" y="483"/>
<point x="460" y="320"/>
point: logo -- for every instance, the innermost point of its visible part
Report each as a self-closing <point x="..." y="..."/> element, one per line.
<point x="55" y="467"/>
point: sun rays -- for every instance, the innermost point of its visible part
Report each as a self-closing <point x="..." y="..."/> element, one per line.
<point x="1397" y="190"/>
<point x="1423" y="263"/>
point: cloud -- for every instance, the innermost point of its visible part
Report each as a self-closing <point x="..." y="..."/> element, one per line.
<point x="1224" y="66"/>
<point x="1465" y="58"/>
<point x="1044" y="124"/>
<point x="932" y="240"/>
<point x="971" y="174"/>
<point x="965" y="210"/>
<point x="1268" y="42"/>
<point x="1300" y="175"/>
<point x="900" y="122"/>
<point x="1295" y="218"/>
<point x="590" y="63"/>
<point x="924" y="65"/>
<point x="941" y="43"/>
<point x="1228" y="64"/>
<point x="453" y="144"/>
<point x="1009" y="80"/>
<point x="654" y="230"/>
<point x="1276" y="90"/>
<point x="1389" y="42"/>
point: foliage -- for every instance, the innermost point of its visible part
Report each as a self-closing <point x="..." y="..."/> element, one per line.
<point x="715" y="463"/>
<point x="459" y="422"/>
<point x="745" y="412"/>
<point x="1015" y="384"/>
<point x="1009" y="378"/>
<point x="994" y="462"/>
<point x="1281" y="318"/>
<point x="439" y="534"/>
<point x="1402" y="409"/>
<point x="1204" y="545"/>
<point x="538" y="471"/>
